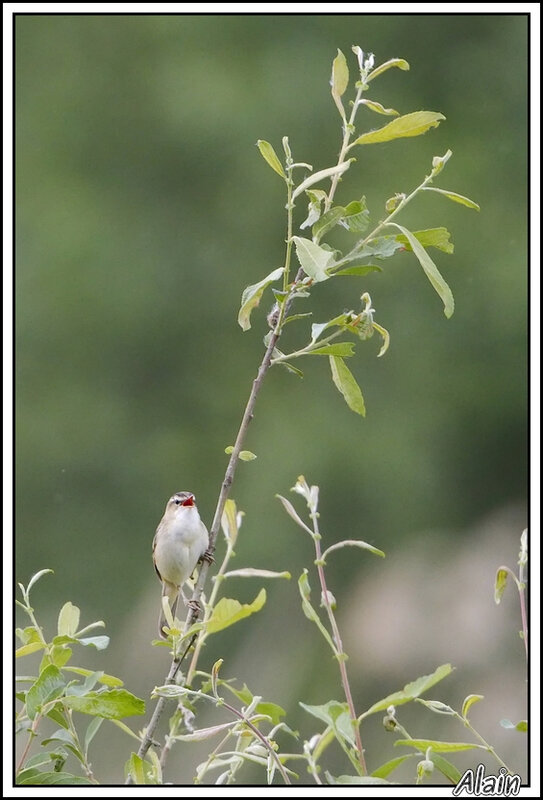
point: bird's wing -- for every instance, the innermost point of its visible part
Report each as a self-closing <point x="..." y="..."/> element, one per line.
<point x="154" y="562"/>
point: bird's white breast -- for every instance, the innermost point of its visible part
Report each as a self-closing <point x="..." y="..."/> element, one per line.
<point x="180" y="545"/>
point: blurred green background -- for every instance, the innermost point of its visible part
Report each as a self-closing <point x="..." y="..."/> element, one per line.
<point x="143" y="210"/>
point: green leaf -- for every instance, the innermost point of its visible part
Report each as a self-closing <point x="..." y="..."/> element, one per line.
<point x="328" y="712"/>
<point x="500" y="583"/>
<point x="433" y="237"/>
<point x="68" y="620"/>
<point x="134" y="768"/>
<point x="411" y="690"/>
<point x="106" y="680"/>
<point x="413" y="124"/>
<point x="57" y="715"/>
<point x="364" y="269"/>
<point x="389" y="766"/>
<point x="228" y="611"/>
<point x="342" y="349"/>
<point x="36" y="578"/>
<point x="27" y="649"/>
<point x="100" y="642"/>
<point x="401" y="63"/>
<point x="339" y="80"/>
<point x="230" y="521"/>
<point x="446" y="768"/>
<point x="125" y="728"/>
<point x="272" y="710"/>
<point x="373" y="105"/>
<point x="201" y="734"/>
<point x="314" y="260"/>
<point x="357" y="216"/>
<point x="327" y="221"/>
<point x="291" y="511"/>
<point x="309" y="611"/>
<point x="321" y="175"/>
<point x="295" y="317"/>
<point x="316" y="198"/>
<point x="81" y="689"/>
<point x="438" y="747"/>
<point x="432" y="272"/>
<point x="60" y="655"/>
<point x="336" y="715"/>
<point x="347" y="385"/>
<point x="268" y="154"/>
<point x="469" y="701"/>
<point x="381" y="247"/>
<point x="338" y="322"/>
<point x="521" y="726"/>
<point x="437" y="706"/>
<point x="55" y="779"/>
<point x="246" y="455"/>
<point x="353" y="543"/>
<point x="252" y="295"/>
<point x="113" y="704"/>
<point x="91" y="731"/>
<point x="249" y="572"/>
<point x="457" y="198"/>
<point x="358" y="780"/>
<point x="50" y="684"/>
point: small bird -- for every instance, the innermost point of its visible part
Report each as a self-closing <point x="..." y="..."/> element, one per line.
<point x="181" y="540"/>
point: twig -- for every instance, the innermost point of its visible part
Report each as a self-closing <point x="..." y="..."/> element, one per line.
<point x="223" y="496"/>
<point x="339" y="645"/>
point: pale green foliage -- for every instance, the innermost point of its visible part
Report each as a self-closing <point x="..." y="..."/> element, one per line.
<point x="57" y="692"/>
<point x="321" y="262"/>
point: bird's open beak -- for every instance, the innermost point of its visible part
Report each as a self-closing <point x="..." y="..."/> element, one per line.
<point x="189" y="501"/>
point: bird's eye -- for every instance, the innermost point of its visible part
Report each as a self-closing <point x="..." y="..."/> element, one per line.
<point x="177" y="501"/>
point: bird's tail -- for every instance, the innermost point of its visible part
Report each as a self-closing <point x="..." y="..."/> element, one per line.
<point x="172" y="593"/>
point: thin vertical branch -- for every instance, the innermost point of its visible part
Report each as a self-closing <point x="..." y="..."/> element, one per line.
<point x="339" y="644"/>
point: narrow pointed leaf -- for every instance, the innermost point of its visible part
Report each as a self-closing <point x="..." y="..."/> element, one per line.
<point x="353" y="543"/>
<point x="27" y="649"/>
<point x="291" y="511"/>
<point x="341" y="349"/>
<point x="401" y="63"/>
<point x="321" y="175"/>
<point x="269" y="155"/>
<point x="389" y="766"/>
<point x="339" y="80"/>
<point x="411" y="690"/>
<point x="36" y="578"/>
<point x="373" y="105"/>
<point x="359" y="270"/>
<point x="347" y="385"/>
<point x="432" y="272"/>
<point x="249" y="572"/>
<point x="469" y="701"/>
<point x="309" y="610"/>
<point x="105" y="679"/>
<point x="446" y="768"/>
<point x="252" y="295"/>
<point x="414" y="124"/>
<point x="457" y="198"/>
<point x="500" y="583"/>
<point x="437" y="746"/>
